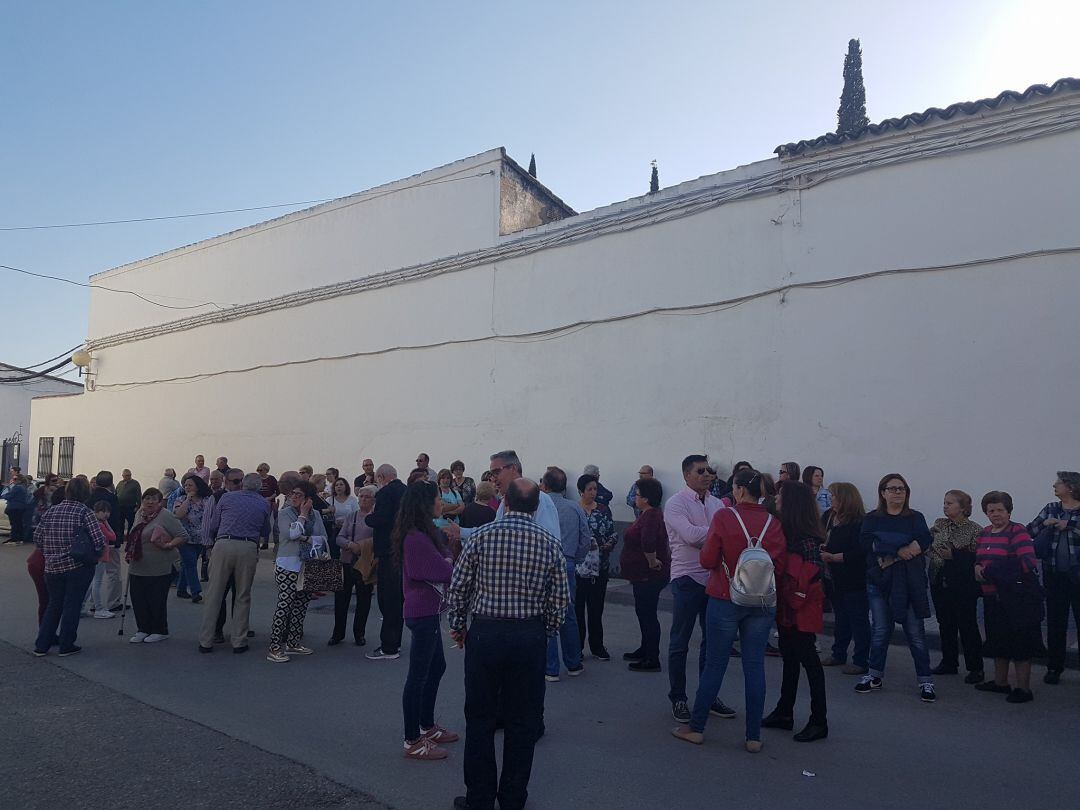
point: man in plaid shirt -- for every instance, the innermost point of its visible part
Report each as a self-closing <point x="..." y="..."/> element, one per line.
<point x="65" y="579"/>
<point x="512" y="578"/>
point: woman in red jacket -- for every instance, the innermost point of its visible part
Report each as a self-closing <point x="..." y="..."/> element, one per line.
<point x="729" y="536"/>
<point x="799" y="603"/>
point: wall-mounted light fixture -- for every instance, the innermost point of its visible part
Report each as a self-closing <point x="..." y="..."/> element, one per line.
<point x="82" y="359"/>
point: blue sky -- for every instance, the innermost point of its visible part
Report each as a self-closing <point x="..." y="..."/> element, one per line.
<point x="126" y="109"/>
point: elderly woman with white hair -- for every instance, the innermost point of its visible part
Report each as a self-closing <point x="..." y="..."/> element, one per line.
<point x="168" y="483"/>
<point x="357" y="568"/>
<point x="603" y="494"/>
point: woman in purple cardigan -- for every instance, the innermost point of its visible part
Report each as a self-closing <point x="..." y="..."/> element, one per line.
<point x="421" y="552"/>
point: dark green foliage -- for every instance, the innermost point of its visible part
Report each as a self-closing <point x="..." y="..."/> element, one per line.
<point x="851" y="117"/>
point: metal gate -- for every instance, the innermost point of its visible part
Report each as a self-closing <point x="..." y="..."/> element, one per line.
<point x="12" y="456"/>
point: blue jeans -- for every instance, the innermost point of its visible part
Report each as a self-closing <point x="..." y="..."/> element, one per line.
<point x="851" y="611"/>
<point x="66" y="594"/>
<point x="690" y="602"/>
<point x="882" y="619"/>
<point x="189" y="569"/>
<point x="427" y="663"/>
<point x="569" y="635"/>
<point x="724" y="621"/>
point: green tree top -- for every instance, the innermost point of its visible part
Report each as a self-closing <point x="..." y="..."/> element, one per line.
<point x="851" y="117"/>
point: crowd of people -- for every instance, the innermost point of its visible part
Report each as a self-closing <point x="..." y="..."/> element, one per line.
<point x="521" y="569"/>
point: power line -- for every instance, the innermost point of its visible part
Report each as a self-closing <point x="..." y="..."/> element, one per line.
<point x="35" y="375"/>
<point x="159" y="219"/>
<point x="371" y="196"/>
<point x="348" y="202"/>
<point x="51" y="359"/>
<point x="620" y="218"/>
<point x="107" y="289"/>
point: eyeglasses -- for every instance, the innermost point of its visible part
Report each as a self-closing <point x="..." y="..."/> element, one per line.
<point x="702" y="471"/>
<point x="296" y="493"/>
<point x="497" y="470"/>
<point x="895" y="489"/>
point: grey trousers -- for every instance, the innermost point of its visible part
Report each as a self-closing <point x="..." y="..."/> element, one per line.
<point x="235" y="558"/>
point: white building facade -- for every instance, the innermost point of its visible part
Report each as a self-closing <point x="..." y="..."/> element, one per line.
<point x="18" y="387"/>
<point x="896" y="302"/>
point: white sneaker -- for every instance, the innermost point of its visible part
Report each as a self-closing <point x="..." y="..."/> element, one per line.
<point x="104" y="614"/>
<point x="155" y="637"/>
<point x="138" y="638"/>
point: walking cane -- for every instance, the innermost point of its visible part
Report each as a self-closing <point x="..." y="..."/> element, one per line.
<point x="123" y="608"/>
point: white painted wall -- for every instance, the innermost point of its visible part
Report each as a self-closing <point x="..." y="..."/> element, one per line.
<point x="15" y="401"/>
<point x="961" y="378"/>
<point x="438" y="213"/>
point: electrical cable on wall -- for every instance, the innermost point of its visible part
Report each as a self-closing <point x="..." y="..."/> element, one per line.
<point x="798" y="174"/>
<point x="571" y="328"/>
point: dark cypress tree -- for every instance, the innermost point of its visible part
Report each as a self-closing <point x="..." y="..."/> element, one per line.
<point x="654" y="181"/>
<point x="532" y="165"/>
<point x="851" y="117"/>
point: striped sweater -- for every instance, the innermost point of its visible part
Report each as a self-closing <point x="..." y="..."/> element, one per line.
<point x="994" y="550"/>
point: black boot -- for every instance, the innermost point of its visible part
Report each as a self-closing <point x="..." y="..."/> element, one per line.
<point x="813" y="731"/>
<point x="777" y="720"/>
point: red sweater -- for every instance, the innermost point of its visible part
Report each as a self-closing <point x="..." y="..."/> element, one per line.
<point x="726" y="537"/>
<point x="994" y="549"/>
<point x="648" y="534"/>
<point x="110" y="539"/>
<point x="800" y="595"/>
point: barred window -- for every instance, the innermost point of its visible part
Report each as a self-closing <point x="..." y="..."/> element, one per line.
<point x="66" y="461"/>
<point x="44" y="456"/>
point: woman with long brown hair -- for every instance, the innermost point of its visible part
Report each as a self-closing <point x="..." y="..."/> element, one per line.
<point x="421" y="551"/>
<point x="800" y="598"/>
<point x="844" y="555"/>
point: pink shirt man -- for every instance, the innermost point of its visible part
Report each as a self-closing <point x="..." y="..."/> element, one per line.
<point x="202" y="472"/>
<point x="688" y="517"/>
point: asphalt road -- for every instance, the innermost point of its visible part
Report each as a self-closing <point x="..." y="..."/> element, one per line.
<point x="123" y="725"/>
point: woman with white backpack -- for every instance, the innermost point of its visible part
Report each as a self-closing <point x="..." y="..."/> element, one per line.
<point x="744" y="548"/>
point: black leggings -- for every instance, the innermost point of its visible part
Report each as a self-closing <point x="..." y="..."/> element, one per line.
<point x="797" y="648"/>
<point x="352" y="580"/>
